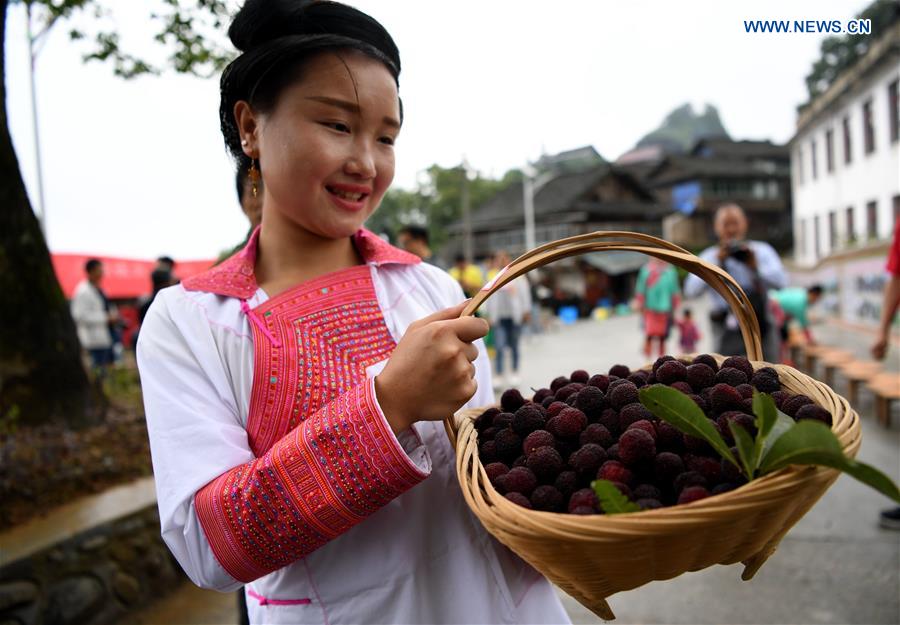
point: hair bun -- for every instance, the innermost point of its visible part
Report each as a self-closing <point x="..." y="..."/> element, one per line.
<point x="261" y="21"/>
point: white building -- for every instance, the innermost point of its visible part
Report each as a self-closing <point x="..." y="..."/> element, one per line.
<point x="845" y="158"/>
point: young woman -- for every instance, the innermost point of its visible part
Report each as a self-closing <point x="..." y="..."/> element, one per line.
<point x="294" y="392"/>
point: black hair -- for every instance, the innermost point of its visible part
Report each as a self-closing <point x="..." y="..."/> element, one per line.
<point x="459" y="258"/>
<point x="417" y="233"/>
<point x="686" y="312"/>
<point x="91" y="264"/>
<point x="239" y="179"/>
<point x="167" y="260"/>
<point x="815" y="289"/>
<point x="160" y="278"/>
<point x="277" y="38"/>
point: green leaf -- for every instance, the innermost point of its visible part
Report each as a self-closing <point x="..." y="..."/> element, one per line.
<point x="811" y="442"/>
<point x="766" y="418"/>
<point x="783" y="423"/>
<point x="745" y="447"/>
<point x="612" y="501"/>
<point x="765" y="411"/>
<point x="679" y="410"/>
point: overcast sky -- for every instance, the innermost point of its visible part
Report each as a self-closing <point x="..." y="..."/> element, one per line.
<point x="138" y="168"/>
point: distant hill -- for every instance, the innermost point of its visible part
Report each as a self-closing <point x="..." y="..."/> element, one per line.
<point x="683" y="127"/>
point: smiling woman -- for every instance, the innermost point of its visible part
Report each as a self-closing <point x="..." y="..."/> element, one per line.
<point x="294" y="392"/>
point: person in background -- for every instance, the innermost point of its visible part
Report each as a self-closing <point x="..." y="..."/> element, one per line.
<point x="414" y="239"/>
<point x="251" y="205"/>
<point x="890" y="519"/>
<point x="94" y="318"/>
<point x="508" y="310"/>
<point x="791" y="305"/>
<point x="755" y="266"/>
<point x="657" y="296"/>
<point x="468" y="275"/>
<point x="688" y="334"/>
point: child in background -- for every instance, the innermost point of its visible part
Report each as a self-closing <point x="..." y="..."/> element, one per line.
<point x="688" y="333"/>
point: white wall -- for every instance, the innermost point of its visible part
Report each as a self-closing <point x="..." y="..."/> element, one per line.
<point x="868" y="177"/>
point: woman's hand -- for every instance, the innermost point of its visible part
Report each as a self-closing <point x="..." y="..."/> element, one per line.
<point x="430" y="375"/>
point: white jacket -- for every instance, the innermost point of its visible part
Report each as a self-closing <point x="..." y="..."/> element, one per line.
<point x="91" y="317"/>
<point x="423" y="558"/>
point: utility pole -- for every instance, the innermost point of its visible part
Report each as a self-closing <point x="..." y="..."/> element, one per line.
<point x="32" y="56"/>
<point x="466" y="212"/>
<point x="528" y="202"/>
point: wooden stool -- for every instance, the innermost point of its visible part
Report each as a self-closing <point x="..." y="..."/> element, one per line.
<point x="811" y="354"/>
<point x="856" y="372"/>
<point x="833" y="359"/>
<point x="886" y="388"/>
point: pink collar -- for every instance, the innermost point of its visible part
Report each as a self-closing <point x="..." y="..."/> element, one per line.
<point x="234" y="277"/>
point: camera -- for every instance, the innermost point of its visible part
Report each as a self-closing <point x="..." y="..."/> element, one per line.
<point x="739" y="251"/>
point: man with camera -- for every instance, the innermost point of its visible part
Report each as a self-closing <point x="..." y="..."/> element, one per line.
<point x="755" y="266"/>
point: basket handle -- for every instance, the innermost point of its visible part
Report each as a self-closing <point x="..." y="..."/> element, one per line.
<point x="718" y="279"/>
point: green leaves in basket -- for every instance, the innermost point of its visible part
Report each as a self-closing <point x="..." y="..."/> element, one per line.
<point x="780" y="441"/>
<point x="676" y="408"/>
<point x="612" y="501"/>
<point x="811" y="442"/>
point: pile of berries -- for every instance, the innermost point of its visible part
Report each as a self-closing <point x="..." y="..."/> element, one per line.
<point x="543" y="453"/>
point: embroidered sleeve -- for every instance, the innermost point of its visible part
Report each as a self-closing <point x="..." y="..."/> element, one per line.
<point x="332" y="471"/>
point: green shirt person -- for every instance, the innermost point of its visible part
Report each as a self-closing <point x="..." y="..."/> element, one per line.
<point x="794" y="303"/>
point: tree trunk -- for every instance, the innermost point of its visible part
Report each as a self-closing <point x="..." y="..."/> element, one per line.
<point x="42" y="378"/>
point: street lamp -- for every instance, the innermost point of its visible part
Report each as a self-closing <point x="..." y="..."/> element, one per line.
<point x="529" y="172"/>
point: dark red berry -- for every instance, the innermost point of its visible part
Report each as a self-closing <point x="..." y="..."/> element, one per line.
<point x="671" y="371"/>
<point x="646" y="425"/>
<point x="707" y="360"/>
<point x="495" y="470"/>
<point x="812" y="411"/>
<point x="636" y="445"/>
<point x="600" y="381"/>
<point x="538" y="438"/>
<point x="519" y="499"/>
<point x="731" y="376"/>
<point x="700" y="375"/>
<point x="527" y="419"/>
<point x="620" y="371"/>
<point x="587" y="459"/>
<point x="740" y="363"/>
<point x="558" y="383"/>
<point x="793" y="404"/>
<point x="547" y="498"/>
<point x="623" y="394"/>
<point x="570" y="423"/>
<point x="692" y="493"/>
<point x="541" y="394"/>
<point x="511" y="400"/>
<point x="660" y="361"/>
<point x="597" y="434"/>
<point x="682" y="386"/>
<point x="566" y="483"/>
<point x="518" y="480"/>
<point x="667" y="466"/>
<point x="631" y="413"/>
<point x="615" y="471"/>
<point x="546" y="463"/>
<point x="580" y="375"/>
<point x="585" y="497"/>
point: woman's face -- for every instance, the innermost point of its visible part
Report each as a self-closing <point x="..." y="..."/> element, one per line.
<point x="326" y="150"/>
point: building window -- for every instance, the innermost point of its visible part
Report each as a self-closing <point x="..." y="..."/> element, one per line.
<point x="832" y="231"/>
<point x="896" y="202"/>
<point x="812" y="149"/>
<point x="829" y="150"/>
<point x="894" y="109"/>
<point x="872" y="220"/>
<point x="817" y="240"/>
<point x="774" y="193"/>
<point x="868" y="128"/>
<point x="801" y="239"/>
<point x="848" y="151"/>
<point x="799" y="166"/>
<point x="850" y="228"/>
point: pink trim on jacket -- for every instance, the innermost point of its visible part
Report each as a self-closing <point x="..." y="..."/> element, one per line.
<point x="266" y="601"/>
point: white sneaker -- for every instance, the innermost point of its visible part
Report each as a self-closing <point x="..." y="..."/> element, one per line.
<point x="514" y="380"/>
<point x="499" y="382"/>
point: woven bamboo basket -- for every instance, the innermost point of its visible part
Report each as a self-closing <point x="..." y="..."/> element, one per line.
<point x="593" y="557"/>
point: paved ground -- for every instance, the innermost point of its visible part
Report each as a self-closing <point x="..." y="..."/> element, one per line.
<point x="835" y="566"/>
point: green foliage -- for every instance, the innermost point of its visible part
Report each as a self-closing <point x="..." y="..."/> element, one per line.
<point x="612" y="501"/>
<point x="192" y="31"/>
<point x="780" y="442"/>
<point x="840" y="53"/>
<point x="436" y="202"/>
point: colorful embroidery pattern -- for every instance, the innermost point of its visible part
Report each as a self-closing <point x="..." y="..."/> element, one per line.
<point x="326" y="457"/>
<point x="341" y="465"/>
